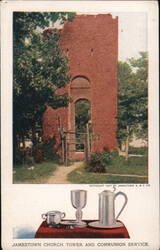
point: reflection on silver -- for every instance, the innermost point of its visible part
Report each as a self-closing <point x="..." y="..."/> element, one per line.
<point x="53" y="218"/>
<point x="78" y="200"/>
<point x="107" y="217"/>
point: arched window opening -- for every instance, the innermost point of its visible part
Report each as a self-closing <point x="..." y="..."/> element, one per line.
<point x="80" y="82"/>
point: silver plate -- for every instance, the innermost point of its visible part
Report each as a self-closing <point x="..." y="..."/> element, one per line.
<point x="73" y="223"/>
<point x="97" y="224"/>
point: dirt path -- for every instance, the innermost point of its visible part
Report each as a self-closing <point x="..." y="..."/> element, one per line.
<point x="60" y="174"/>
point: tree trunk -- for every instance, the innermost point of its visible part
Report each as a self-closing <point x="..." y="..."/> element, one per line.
<point x="23" y="142"/>
<point x="15" y="145"/>
<point x="127" y="143"/>
<point x="33" y="133"/>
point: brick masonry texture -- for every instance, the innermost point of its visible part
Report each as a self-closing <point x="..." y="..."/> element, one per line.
<point x="91" y="43"/>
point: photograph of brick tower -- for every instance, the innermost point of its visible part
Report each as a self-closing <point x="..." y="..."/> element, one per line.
<point x="93" y="57"/>
<point x="79" y="124"/>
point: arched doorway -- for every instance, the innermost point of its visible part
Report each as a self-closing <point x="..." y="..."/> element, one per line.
<point x="80" y="93"/>
<point x="82" y="117"/>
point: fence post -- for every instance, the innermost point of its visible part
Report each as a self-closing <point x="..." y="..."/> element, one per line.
<point x="66" y="151"/>
<point x="62" y="140"/>
<point x="63" y="154"/>
<point x="88" y="143"/>
<point x="85" y="147"/>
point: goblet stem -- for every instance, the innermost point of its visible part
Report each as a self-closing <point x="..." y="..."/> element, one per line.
<point x="79" y="215"/>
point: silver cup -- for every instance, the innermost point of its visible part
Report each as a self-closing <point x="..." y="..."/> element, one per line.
<point x="53" y="218"/>
<point x="78" y="200"/>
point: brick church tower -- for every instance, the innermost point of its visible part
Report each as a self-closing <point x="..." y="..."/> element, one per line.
<point x="91" y="43"/>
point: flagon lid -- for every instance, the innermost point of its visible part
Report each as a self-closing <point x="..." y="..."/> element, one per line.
<point x="106" y="193"/>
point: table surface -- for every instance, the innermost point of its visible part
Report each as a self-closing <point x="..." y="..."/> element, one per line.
<point x="86" y="232"/>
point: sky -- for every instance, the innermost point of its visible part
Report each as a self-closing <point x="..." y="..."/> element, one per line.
<point x="132" y="34"/>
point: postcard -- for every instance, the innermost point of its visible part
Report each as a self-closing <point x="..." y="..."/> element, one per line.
<point x="79" y="122"/>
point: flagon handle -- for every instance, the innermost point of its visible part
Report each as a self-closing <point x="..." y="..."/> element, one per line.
<point x="125" y="202"/>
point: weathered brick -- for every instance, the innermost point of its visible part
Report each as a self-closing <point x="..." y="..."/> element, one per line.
<point x="91" y="43"/>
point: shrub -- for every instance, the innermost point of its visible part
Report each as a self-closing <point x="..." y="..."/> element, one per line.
<point x="49" y="149"/>
<point x="38" y="152"/>
<point x="45" y="150"/>
<point x="22" y="156"/>
<point x="18" y="158"/>
<point x="29" y="160"/>
<point x="99" y="161"/>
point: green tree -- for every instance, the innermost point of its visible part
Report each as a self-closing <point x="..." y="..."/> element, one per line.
<point x="40" y="68"/>
<point x="82" y="115"/>
<point x="132" y="99"/>
<point x="140" y="67"/>
<point x="24" y="23"/>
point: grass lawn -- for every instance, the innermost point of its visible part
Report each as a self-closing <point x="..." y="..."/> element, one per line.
<point x="38" y="175"/>
<point x="134" y="165"/>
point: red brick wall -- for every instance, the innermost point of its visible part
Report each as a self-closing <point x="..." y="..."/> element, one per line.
<point x="91" y="43"/>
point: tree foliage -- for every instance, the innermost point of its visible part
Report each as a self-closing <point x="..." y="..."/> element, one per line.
<point x="39" y="69"/>
<point x="82" y="115"/>
<point x="133" y="98"/>
<point x="24" y="23"/>
<point x="140" y="66"/>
